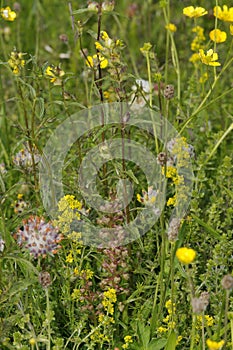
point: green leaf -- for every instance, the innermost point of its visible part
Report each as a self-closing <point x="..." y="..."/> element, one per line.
<point x="144" y="334"/>
<point x="157" y="344"/>
<point x="208" y="228"/>
<point x="40" y="107"/>
<point x="131" y="175"/>
<point x="171" y="342"/>
<point x="77" y="12"/>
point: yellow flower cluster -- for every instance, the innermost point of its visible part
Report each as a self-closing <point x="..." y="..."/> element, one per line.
<point x="127" y="340"/>
<point x="69" y="209"/>
<point x="76" y="294"/>
<point x="213" y="345"/>
<point x="105" y="319"/>
<point x="16" y="61"/>
<point x="225" y="14"/>
<point x="97" y="60"/>
<point x="172" y="201"/>
<point x="98" y="337"/>
<point x="197" y="42"/>
<point x="192" y="12"/>
<point x="185" y="255"/>
<point x="146" y="48"/>
<point x="171" y="308"/>
<point x="210" y="58"/>
<point x="8" y="14"/>
<point x="87" y="274"/>
<point x="106" y="50"/>
<point x="109" y="300"/>
<point x="208" y="319"/>
<point x="54" y="74"/>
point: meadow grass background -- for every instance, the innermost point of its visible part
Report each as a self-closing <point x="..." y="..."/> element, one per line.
<point x="137" y="296"/>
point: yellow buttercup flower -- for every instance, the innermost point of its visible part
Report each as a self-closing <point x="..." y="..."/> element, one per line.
<point x="191" y="12"/>
<point x="8" y="14"/>
<point x="213" y="345"/>
<point x="218" y="36"/>
<point x="224" y="14"/>
<point x="231" y="29"/>
<point x="172" y="27"/>
<point x="185" y="255"/>
<point x="210" y="58"/>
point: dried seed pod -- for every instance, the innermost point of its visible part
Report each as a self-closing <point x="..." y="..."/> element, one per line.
<point x="45" y="279"/>
<point x="168" y="92"/>
<point x="227" y="282"/>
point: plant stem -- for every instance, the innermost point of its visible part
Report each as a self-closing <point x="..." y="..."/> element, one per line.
<point x="48" y="316"/>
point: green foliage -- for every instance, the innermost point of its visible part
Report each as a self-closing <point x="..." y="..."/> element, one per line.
<point x="59" y="58"/>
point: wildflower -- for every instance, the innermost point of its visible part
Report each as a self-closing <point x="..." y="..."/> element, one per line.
<point x="225" y="15"/>
<point x="146" y="48"/>
<point x="209" y="320"/>
<point x="231" y="29"/>
<point x="98" y="46"/>
<point x="2" y="244"/>
<point x="3" y="170"/>
<point x="8" y="14"/>
<point x="162" y="329"/>
<point x="203" y="78"/>
<point x="148" y="197"/>
<point x="140" y="95"/>
<point x="96" y="60"/>
<point x="178" y="340"/>
<point x="218" y="36"/>
<point x="16" y="61"/>
<point x="32" y="341"/>
<point x="171" y="27"/>
<point x="108" y="6"/>
<point x="20" y="204"/>
<point x="109" y="299"/>
<point x="213" y="345"/>
<point x="169" y="92"/>
<point x="87" y="274"/>
<point x="128" y="340"/>
<point x="162" y="158"/>
<point x="45" y="279"/>
<point x="210" y="58"/>
<point x="191" y="12"/>
<point x="172" y="201"/>
<point x="24" y="159"/>
<point x="185" y="255"/>
<point x="178" y="145"/>
<point x="70" y="258"/>
<point x="197" y="42"/>
<point x="195" y="58"/>
<point x="54" y="73"/>
<point x="76" y="294"/>
<point x="227" y="282"/>
<point x="200" y="304"/>
<point x="143" y="84"/>
<point x="93" y="6"/>
<point x="39" y="237"/>
<point x="70" y="210"/>
<point x="170" y="306"/>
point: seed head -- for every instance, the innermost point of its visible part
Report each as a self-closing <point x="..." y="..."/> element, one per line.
<point x="227" y="282"/>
